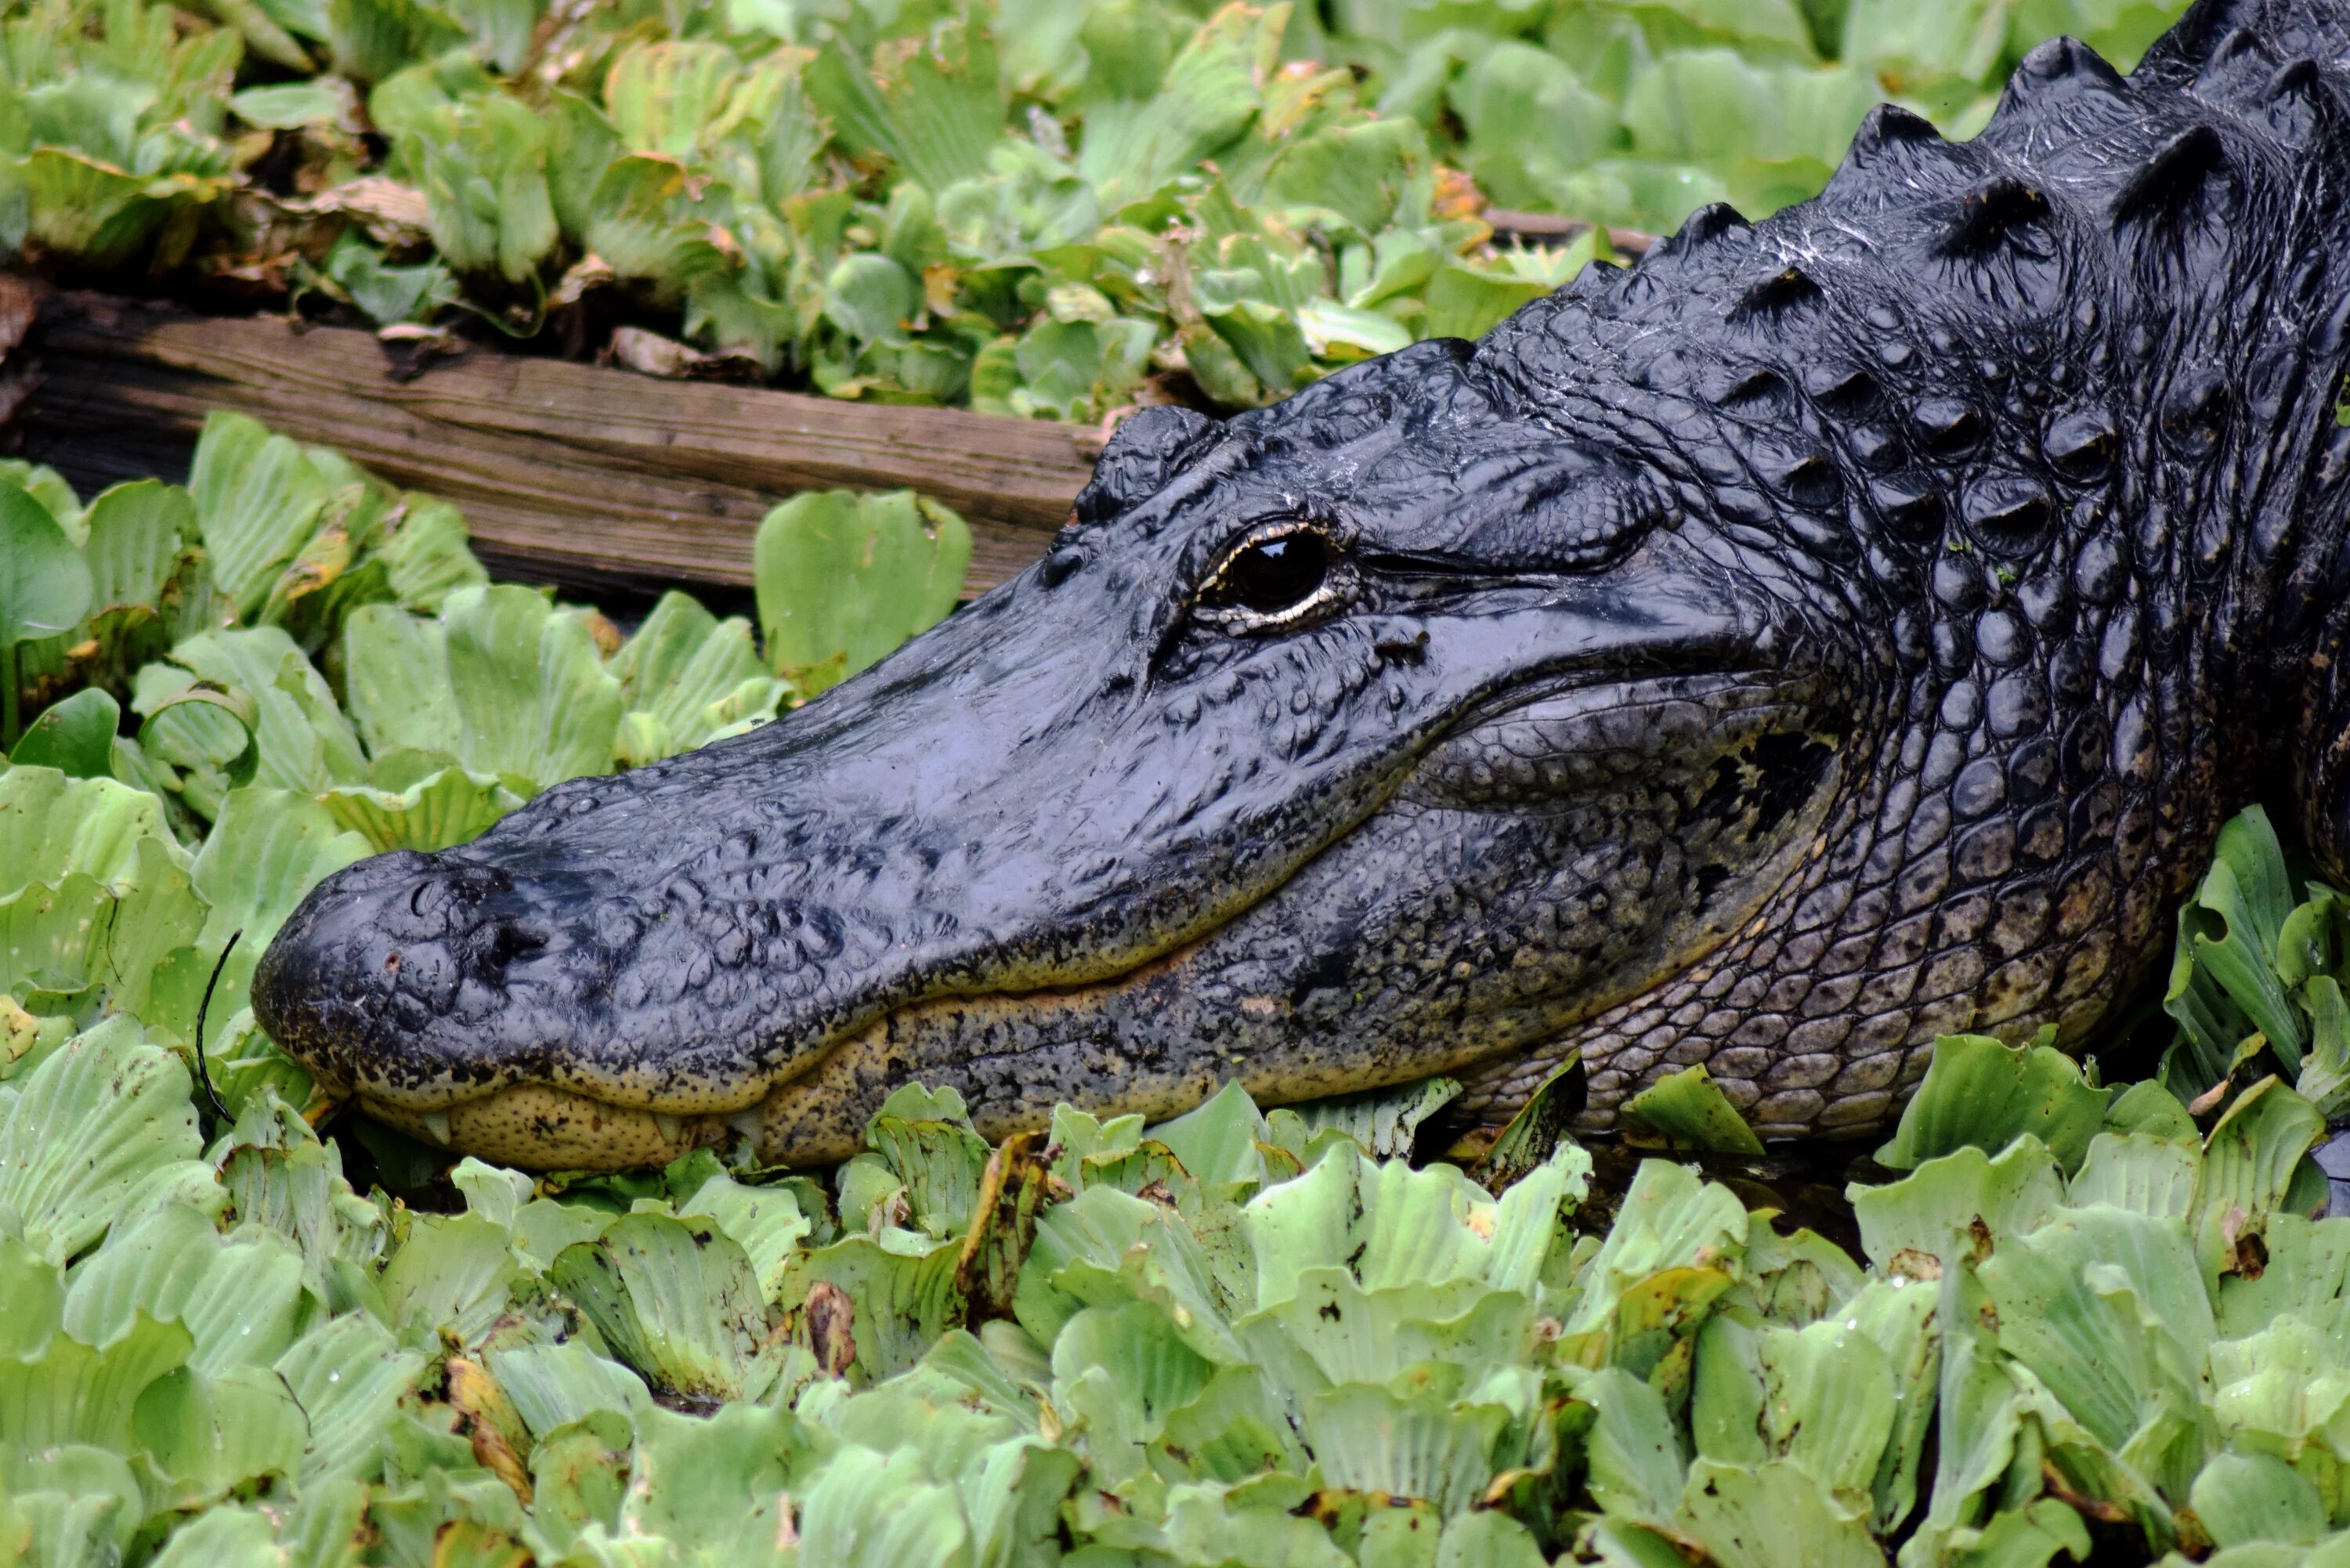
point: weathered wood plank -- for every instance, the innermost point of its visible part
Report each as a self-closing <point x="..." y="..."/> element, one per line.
<point x="572" y="473"/>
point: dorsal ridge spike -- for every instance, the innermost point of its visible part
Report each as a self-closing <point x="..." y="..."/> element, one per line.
<point x="2068" y="60"/>
<point x="2194" y="38"/>
<point x="1711" y="223"/>
<point x="1889" y="123"/>
<point x="1782" y="290"/>
<point x="1988" y="212"/>
<point x="2175" y="172"/>
<point x="2293" y="79"/>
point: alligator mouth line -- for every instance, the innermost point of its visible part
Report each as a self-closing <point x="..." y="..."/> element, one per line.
<point x="545" y="1127"/>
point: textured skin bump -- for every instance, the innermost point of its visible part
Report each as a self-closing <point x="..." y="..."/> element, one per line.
<point x="1835" y="631"/>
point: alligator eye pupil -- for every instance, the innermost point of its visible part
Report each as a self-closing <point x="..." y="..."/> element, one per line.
<point x="1275" y="575"/>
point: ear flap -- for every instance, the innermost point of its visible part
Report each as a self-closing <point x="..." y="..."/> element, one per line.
<point x="1141" y="456"/>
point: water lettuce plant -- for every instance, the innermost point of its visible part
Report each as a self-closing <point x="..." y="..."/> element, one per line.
<point x="1233" y="1338"/>
<point x="1029" y="206"/>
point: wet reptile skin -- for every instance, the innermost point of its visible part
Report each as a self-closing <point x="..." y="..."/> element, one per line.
<point x="1829" y="633"/>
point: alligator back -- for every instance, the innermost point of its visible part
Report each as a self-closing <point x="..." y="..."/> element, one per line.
<point x="2053" y="413"/>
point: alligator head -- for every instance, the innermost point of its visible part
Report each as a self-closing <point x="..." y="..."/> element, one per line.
<point x="1356" y="740"/>
<point x="1826" y="635"/>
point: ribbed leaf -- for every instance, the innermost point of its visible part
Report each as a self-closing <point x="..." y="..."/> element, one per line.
<point x="99" y="1116"/>
<point x="847" y="576"/>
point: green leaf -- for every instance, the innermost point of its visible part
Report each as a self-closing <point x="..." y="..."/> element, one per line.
<point x="52" y="826"/>
<point x="290" y="105"/>
<point x="1218" y="1142"/>
<point x="2250" y="1162"/>
<point x="553" y="1386"/>
<point x="1959" y="40"/>
<point x="1980" y="1094"/>
<point x="135" y="531"/>
<point x="1685" y="1111"/>
<point x="1136" y="143"/>
<point x="1637" y="1467"/>
<point x="2306" y="1260"/>
<point x="45" y="587"/>
<point x="371" y="39"/>
<point x="244" y="1300"/>
<point x="1954" y="1205"/>
<point x="213" y="1434"/>
<point x="847" y="576"/>
<point x="444" y="809"/>
<point x="98" y="1117"/>
<point x="258" y="498"/>
<point x="1340" y="331"/>
<point x="502" y="682"/>
<point x="643" y="219"/>
<point x="227" y="1537"/>
<point x="385" y="294"/>
<point x="679" y="1304"/>
<point x="1118" y="1372"/>
<point x="32" y="1301"/>
<point x="350" y="1376"/>
<point x="868" y="1509"/>
<point x="1669" y="1221"/>
<point x="2242" y="1498"/>
<point x="697" y="677"/>
<point x="449" y="1279"/>
<point x="426" y="554"/>
<point x="95" y="213"/>
<point x="74" y="1395"/>
<point x="871" y="299"/>
<point x="925" y="1138"/>
<point x="76" y="736"/>
<point x="1418" y="1445"/>
<point x="1463" y="302"/>
<point x="903" y="1301"/>
<point x="2324" y="1078"/>
<point x="485" y="184"/>
<point x="1382" y="1122"/>
<point x="305" y="742"/>
<point x="2105" y="1309"/>
<point x="663" y="96"/>
<point x="2244" y="901"/>
<point x="1771" y="1514"/>
<point x="936" y="115"/>
<point x="1531" y="121"/>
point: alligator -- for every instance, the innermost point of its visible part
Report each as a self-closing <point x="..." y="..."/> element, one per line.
<point x="1832" y="632"/>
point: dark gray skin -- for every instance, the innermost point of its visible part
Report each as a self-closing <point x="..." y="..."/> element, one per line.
<point x="1828" y="634"/>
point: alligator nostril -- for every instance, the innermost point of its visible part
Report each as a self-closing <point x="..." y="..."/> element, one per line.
<point x="510" y="940"/>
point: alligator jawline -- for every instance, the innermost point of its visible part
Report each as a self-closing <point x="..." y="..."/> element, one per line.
<point x="544" y="1126"/>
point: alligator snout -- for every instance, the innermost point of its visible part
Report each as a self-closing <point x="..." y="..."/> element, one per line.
<point x="398" y="970"/>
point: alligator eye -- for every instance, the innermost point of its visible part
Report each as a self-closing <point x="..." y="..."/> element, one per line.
<point x="1273" y="578"/>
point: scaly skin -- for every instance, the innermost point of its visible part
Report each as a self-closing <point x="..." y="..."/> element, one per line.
<point x="1830" y="633"/>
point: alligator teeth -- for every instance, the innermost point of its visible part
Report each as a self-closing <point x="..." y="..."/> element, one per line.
<point x="672" y="1127"/>
<point x="436" y="1126"/>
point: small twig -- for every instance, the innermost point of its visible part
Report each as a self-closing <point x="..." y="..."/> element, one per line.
<point x="203" y="1008"/>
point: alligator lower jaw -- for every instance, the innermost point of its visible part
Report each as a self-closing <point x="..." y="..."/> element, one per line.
<point x="541" y="1127"/>
<point x="816" y="1117"/>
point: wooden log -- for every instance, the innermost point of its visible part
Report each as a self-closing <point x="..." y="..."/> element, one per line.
<point x="587" y="476"/>
<point x="1550" y="229"/>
